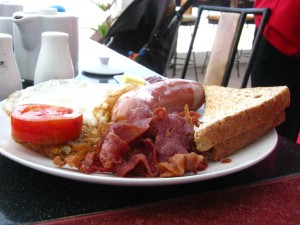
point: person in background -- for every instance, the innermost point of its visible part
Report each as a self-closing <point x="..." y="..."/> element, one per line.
<point x="118" y="7"/>
<point x="278" y="58"/>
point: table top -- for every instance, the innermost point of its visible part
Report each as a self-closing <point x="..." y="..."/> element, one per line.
<point x="29" y="196"/>
<point x="89" y="60"/>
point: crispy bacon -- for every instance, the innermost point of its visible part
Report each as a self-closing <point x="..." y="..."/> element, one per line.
<point x="137" y="122"/>
<point x="145" y="144"/>
<point x="136" y="145"/>
<point x="113" y="150"/>
<point x="179" y="164"/>
<point x="141" y="162"/>
<point x="174" y="134"/>
<point x="191" y="117"/>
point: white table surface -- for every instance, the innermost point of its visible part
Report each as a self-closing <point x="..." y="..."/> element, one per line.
<point x="89" y="52"/>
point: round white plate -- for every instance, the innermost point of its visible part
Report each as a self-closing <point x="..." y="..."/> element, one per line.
<point x="243" y="159"/>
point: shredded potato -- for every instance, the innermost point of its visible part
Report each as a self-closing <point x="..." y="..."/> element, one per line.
<point x="90" y="135"/>
<point x="103" y="112"/>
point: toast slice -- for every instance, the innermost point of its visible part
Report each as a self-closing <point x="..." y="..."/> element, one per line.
<point x="232" y="145"/>
<point x="231" y="111"/>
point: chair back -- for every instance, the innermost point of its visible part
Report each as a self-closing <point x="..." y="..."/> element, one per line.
<point x="225" y="46"/>
<point x="221" y="50"/>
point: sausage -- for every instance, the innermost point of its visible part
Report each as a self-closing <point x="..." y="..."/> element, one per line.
<point x="173" y="94"/>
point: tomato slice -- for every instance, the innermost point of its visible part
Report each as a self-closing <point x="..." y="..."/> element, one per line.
<point x="45" y="124"/>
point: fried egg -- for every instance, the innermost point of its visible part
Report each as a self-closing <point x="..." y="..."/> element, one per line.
<point x="81" y="95"/>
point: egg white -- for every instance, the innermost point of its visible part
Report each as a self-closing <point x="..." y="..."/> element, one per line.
<point x="81" y="95"/>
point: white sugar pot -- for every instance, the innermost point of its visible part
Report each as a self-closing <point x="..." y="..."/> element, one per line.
<point x="28" y="28"/>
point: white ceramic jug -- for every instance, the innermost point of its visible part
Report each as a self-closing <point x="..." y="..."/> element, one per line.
<point x="28" y="28"/>
<point x="10" y="79"/>
<point x="54" y="61"/>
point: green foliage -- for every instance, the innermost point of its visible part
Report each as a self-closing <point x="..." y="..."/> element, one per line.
<point x="102" y="6"/>
<point x="102" y="28"/>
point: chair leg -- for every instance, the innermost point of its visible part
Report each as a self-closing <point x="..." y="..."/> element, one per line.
<point x="195" y="66"/>
<point x="238" y="55"/>
<point x="194" y="56"/>
<point x="175" y="58"/>
<point x="175" y="61"/>
<point x="204" y="62"/>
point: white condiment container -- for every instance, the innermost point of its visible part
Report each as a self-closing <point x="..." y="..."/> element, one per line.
<point x="28" y="28"/>
<point x="54" y="60"/>
<point x="10" y="79"/>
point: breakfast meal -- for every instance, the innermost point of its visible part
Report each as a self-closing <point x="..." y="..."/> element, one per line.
<point x="145" y="130"/>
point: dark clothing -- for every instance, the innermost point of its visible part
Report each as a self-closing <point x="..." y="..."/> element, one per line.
<point x="138" y="23"/>
<point x="273" y="68"/>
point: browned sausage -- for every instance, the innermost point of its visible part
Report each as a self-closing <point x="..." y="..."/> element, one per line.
<point x="173" y="94"/>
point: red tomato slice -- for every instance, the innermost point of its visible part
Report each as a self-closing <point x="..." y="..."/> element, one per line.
<point x="45" y="124"/>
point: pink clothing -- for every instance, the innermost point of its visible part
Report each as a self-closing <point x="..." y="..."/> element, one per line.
<point x="283" y="27"/>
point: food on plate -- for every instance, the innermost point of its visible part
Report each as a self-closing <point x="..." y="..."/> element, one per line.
<point x="143" y="130"/>
<point x="232" y="145"/>
<point x="234" y="118"/>
<point x="104" y="110"/>
<point x="150" y="138"/>
<point x="143" y="143"/>
<point x="45" y="124"/>
<point x="148" y="132"/>
<point x="173" y="94"/>
<point x="129" y="79"/>
<point x="80" y="95"/>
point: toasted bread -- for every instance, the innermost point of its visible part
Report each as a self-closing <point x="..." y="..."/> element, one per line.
<point x="232" y="145"/>
<point x="230" y="112"/>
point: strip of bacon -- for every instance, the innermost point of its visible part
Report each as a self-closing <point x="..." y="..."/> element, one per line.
<point x="179" y="164"/>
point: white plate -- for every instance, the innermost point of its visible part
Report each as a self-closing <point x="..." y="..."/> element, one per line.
<point x="119" y="78"/>
<point x="243" y="159"/>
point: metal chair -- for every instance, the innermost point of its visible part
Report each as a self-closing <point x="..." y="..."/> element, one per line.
<point x="214" y="20"/>
<point x="187" y="21"/>
<point x="223" y="53"/>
